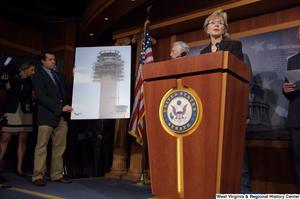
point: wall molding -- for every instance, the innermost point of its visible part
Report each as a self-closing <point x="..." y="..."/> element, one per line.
<point x="20" y="47"/>
<point x="63" y="47"/>
<point x="186" y="18"/>
<point x="34" y="51"/>
<point x="269" y="143"/>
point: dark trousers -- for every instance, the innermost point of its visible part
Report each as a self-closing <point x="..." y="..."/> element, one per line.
<point x="245" y="174"/>
<point x="102" y="158"/>
<point x="96" y="160"/>
<point x="295" y="140"/>
<point x="83" y="158"/>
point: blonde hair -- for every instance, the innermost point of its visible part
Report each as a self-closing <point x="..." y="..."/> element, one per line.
<point x="217" y="13"/>
<point x="26" y="65"/>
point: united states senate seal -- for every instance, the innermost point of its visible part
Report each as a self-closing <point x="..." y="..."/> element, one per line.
<point x="180" y="110"/>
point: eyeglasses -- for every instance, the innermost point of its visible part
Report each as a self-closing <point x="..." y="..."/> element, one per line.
<point x="219" y="22"/>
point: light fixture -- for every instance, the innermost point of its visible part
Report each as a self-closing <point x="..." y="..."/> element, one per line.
<point x="106" y="18"/>
<point x="91" y="34"/>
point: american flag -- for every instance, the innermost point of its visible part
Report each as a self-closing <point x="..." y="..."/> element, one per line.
<point x="136" y="123"/>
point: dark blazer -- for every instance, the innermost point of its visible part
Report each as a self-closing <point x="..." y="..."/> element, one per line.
<point x="233" y="46"/>
<point x="293" y="97"/>
<point x="20" y="91"/>
<point x="50" y="105"/>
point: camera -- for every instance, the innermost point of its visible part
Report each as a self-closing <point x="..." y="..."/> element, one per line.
<point x="9" y="69"/>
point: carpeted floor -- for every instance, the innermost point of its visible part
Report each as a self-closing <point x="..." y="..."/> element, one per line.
<point x="88" y="188"/>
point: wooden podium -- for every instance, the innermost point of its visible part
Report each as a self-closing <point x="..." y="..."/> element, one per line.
<point x="207" y="159"/>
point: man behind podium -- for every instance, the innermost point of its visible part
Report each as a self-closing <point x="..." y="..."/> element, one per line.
<point x="179" y="49"/>
<point x="50" y="88"/>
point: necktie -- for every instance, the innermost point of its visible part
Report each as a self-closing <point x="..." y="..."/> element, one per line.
<point x="57" y="84"/>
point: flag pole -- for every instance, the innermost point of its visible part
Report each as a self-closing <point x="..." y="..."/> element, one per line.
<point x="142" y="180"/>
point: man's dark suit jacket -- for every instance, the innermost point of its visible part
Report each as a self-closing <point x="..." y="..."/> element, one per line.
<point x="16" y="94"/>
<point x="233" y="46"/>
<point x="50" y="104"/>
<point x="293" y="97"/>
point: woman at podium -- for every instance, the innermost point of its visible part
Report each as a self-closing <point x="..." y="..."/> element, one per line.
<point x="215" y="27"/>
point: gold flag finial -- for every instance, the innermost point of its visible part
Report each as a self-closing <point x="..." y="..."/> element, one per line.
<point x="148" y="11"/>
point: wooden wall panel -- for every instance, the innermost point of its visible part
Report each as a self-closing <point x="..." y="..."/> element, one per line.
<point x="242" y="28"/>
<point x="161" y="50"/>
<point x="69" y="64"/>
<point x="64" y="34"/>
<point x="10" y="49"/>
<point x="68" y="57"/>
<point x="271" y="167"/>
<point x="20" y="35"/>
<point x="62" y="42"/>
<point x="271" y="164"/>
<point x="22" y="40"/>
<point x="265" y="21"/>
<point x="192" y="36"/>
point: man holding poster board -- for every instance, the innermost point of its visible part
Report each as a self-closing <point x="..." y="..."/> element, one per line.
<point x="50" y="88"/>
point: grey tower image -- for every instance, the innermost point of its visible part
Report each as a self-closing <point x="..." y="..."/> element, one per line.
<point x="109" y="70"/>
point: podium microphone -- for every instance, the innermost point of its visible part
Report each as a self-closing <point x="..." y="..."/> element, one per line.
<point x="218" y="46"/>
<point x="181" y="55"/>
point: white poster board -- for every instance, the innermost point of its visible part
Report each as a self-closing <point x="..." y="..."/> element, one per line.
<point x="101" y="83"/>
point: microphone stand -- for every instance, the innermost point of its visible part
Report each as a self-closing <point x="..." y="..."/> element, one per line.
<point x="218" y="46"/>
